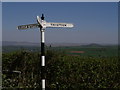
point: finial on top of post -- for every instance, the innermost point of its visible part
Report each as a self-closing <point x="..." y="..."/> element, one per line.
<point x="42" y="18"/>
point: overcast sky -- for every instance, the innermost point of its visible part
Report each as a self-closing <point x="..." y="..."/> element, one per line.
<point x="95" y="22"/>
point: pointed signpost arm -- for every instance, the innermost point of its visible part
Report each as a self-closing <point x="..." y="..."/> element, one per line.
<point x="21" y="27"/>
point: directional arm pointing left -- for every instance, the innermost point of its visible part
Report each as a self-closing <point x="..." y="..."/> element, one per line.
<point x="28" y="26"/>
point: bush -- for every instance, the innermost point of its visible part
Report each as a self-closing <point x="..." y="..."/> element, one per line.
<point x="62" y="71"/>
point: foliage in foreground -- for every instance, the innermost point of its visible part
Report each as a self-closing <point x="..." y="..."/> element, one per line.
<point x="62" y="71"/>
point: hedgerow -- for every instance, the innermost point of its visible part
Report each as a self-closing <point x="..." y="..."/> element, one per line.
<point x="62" y="71"/>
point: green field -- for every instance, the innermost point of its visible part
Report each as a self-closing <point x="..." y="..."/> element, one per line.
<point x="91" y="51"/>
<point x="103" y="51"/>
<point x="95" y="67"/>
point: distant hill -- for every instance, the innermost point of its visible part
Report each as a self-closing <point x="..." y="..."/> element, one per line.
<point x="93" y="45"/>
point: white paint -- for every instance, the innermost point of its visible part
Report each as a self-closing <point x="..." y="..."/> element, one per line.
<point x="52" y="24"/>
<point x="43" y="60"/>
<point x="43" y="84"/>
<point x="43" y="24"/>
<point x="42" y="36"/>
<point x="38" y="19"/>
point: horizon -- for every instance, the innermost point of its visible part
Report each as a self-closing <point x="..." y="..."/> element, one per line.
<point x="59" y="43"/>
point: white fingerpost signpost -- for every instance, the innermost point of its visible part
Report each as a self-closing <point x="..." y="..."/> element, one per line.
<point x="42" y="24"/>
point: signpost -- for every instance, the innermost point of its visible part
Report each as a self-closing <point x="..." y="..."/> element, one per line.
<point x="42" y="24"/>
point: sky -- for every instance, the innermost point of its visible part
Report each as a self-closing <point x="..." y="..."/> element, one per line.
<point x="94" y="22"/>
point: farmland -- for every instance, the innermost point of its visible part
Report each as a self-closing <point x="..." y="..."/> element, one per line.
<point x="94" y="51"/>
<point x="72" y="67"/>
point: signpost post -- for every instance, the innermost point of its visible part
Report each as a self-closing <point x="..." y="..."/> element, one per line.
<point x="42" y="24"/>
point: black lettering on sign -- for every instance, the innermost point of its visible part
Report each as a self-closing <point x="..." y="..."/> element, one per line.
<point x="58" y="25"/>
<point x="22" y="27"/>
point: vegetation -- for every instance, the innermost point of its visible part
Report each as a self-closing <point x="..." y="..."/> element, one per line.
<point x="62" y="70"/>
